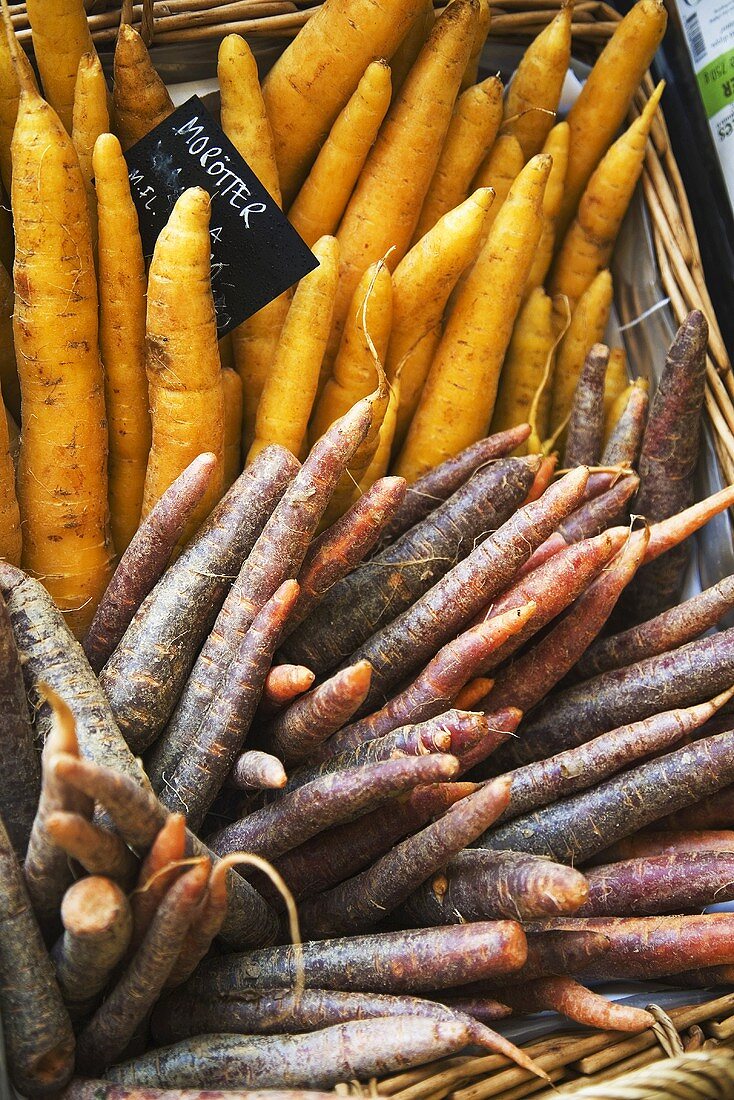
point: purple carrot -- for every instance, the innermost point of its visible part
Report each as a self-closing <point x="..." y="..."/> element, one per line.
<point x="256" y="770"/>
<point x="436" y="687"/>
<point x="346" y="543"/>
<point x="624" y="443"/>
<point x="501" y="724"/>
<point x="481" y="885"/>
<point x="144" y="676"/>
<point x="145" y="559"/>
<point x="659" y="884"/>
<point x="382" y="588"/>
<point x="585" y="431"/>
<point x="670" y="450"/>
<point x="221" y="727"/>
<point x="666" y="841"/>
<point x="387" y="962"/>
<point x="443" y="480"/>
<point x="408" y="642"/>
<point x="546" y="781"/>
<point x="715" y="812"/>
<point x="360" y="1049"/>
<point x="89" y="1088"/>
<point x="309" y="721"/>
<point x="688" y="675"/>
<point x="327" y="801"/>
<point x="665" y="632"/>
<point x="276" y="556"/>
<point x="21" y="786"/>
<point x="605" y="510"/>
<point x="575" y="829"/>
<point x="363" y="901"/>
<point x="342" y="851"/>
<point x="552" y="951"/>
<point x="529" y="679"/>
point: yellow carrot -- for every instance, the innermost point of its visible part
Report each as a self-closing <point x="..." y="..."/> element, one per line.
<point x="499" y="171"/>
<point x="605" y="98"/>
<point x="226" y="352"/>
<point x="319" y="205"/>
<point x="535" y="90"/>
<point x="380" y="463"/>
<point x="527" y="360"/>
<point x="458" y="398"/>
<point x="91" y="118"/>
<point x="232" y="390"/>
<point x="312" y="80"/>
<point x="13" y="437"/>
<point x="60" y="37"/>
<point x="9" y="93"/>
<point x="122" y="287"/>
<point x="471" y="133"/>
<point x="182" y="356"/>
<point x="62" y="475"/>
<point x="141" y="100"/>
<point x="9" y="381"/>
<point x="385" y="205"/>
<point x="557" y="145"/>
<point x="422" y="283"/>
<point x="413" y="41"/>
<point x="480" y="37"/>
<point x="245" y="122"/>
<point x="366" y="335"/>
<point x="589" y="242"/>
<point x="588" y="322"/>
<point x="616" y="379"/>
<point x="288" y="395"/>
<point x="10" y="536"/>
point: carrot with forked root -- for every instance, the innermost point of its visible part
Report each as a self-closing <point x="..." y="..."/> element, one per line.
<point x="159" y="870"/>
<point x="298" y="731"/>
<point x="94" y="848"/>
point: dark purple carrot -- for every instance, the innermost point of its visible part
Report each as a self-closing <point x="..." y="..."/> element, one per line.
<point x="715" y="812"/>
<point x="96" y="849"/>
<point x="668" y="460"/>
<point x="308" y="722"/>
<point x="481" y="885"/>
<point x="654" y="947"/>
<point x="387" y="962"/>
<point x="97" y="926"/>
<point x="687" y="675"/>
<point x="552" y="587"/>
<point x="89" y="1088"/>
<point x="340" y="852"/>
<point x="328" y="800"/>
<point x="107" y="1034"/>
<point x="46" y="868"/>
<point x="624" y="443"/>
<point x="529" y="678"/>
<point x="706" y="978"/>
<point x="652" y="843"/>
<point x="360" y="1049"/>
<point x="341" y="547"/>
<point x="578" y="1003"/>
<point x="450" y="732"/>
<point x="39" y="1041"/>
<point x="145" y="559"/>
<point x="501" y="724"/>
<point x="546" y="781"/>
<point x="362" y="902"/>
<point x="21" y="786"/>
<point x="144" y="676"/>
<point x="436" y="687"/>
<point x="384" y="587"/>
<point x="443" y="480"/>
<point x="660" y="884"/>
<point x="601" y="512"/>
<point x="665" y="632"/>
<point x="210" y="743"/>
<point x="283" y="684"/>
<point x="410" y="641"/>
<point x="585" y="432"/>
<point x="138" y="816"/>
<point x="257" y="771"/>
<point x="160" y="869"/>
<point x="575" y="829"/>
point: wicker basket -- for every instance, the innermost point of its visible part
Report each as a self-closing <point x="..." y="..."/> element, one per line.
<point x="685" y="1056"/>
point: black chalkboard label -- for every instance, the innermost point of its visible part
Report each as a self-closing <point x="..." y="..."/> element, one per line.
<point x="256" y="252"/>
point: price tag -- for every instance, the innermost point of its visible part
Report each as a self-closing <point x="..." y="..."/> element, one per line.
<point x="256" y="252"/>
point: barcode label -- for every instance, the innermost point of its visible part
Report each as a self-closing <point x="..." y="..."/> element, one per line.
<point x="695" y="38"/>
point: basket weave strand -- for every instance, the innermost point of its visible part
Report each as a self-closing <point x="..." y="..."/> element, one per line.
<point x="702" y="1076"/>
